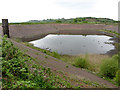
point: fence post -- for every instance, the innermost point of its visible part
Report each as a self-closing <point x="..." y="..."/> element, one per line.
<point x="5" y="27"/>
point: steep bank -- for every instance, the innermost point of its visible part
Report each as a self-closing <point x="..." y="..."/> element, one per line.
<point x="59" y="65"/>
<point x="36" y="31"/>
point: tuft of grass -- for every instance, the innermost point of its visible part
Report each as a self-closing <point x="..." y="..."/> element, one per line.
<point x="117" y="77"/>
<point x="46" y="56"/>
<point x="56" y="55"/>
<point x="81" y="62"/>
<point x="67" y="66"/>
<point x="18" y="40"/>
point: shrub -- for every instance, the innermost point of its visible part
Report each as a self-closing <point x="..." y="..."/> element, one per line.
<point x="115" y="57"/>
<point x="117" y="77"/>
<point x="109" y="67"/>
<point x="81" y="62"/>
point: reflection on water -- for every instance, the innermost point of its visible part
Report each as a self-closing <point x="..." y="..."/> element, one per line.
<point x="75" y="44"/>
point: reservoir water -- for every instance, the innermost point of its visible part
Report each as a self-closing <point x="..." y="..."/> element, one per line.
<point x="75" y="44"/>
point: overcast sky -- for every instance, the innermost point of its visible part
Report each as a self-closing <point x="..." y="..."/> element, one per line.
<point x="25" y="10"/>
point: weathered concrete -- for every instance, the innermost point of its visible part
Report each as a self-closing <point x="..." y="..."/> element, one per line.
<point x="36" y="31"/>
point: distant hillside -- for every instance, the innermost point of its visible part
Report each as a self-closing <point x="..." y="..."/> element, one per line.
<point x="76" y="20"/>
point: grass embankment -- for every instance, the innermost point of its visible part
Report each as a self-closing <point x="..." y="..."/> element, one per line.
<point x="20" y="71"/>
<point x="112" y="32"/>
<point x="100" y="65"/>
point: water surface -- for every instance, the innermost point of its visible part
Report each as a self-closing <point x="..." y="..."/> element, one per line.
<point x="75" y="44"/>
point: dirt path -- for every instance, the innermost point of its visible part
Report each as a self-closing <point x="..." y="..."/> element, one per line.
<point x="59" y="65"/>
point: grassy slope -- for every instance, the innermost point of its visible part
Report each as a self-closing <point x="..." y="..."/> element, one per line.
<point x="20" y="71"/>
<point x="93" y="67"/>
<point x="31" y="74"/>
